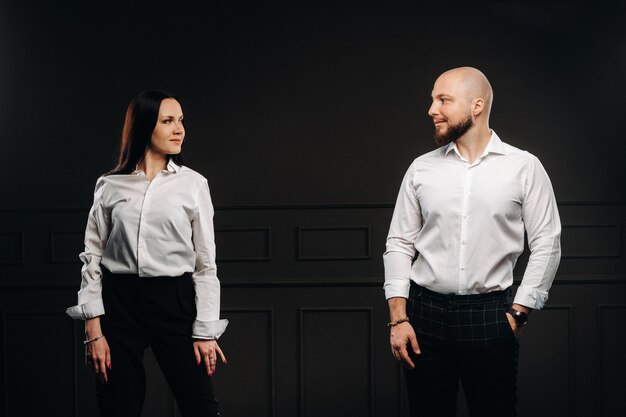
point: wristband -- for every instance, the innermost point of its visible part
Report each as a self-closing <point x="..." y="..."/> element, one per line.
<point x="520" y="317"/>
<point x="395" y="323"/>
<point x="86" y="342"/>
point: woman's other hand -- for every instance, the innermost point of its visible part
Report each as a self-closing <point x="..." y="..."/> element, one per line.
<point x="206" y="352"/>
<point x="97" y="352"/>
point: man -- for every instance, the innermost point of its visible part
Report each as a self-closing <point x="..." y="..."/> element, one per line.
<point x="463" y="209"/>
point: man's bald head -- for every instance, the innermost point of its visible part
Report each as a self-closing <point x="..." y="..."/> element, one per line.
<point x="461" y="104"/>
<point x="471" y="83"/>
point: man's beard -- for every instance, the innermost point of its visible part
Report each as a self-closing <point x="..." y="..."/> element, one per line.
<point x="454" y="131"/>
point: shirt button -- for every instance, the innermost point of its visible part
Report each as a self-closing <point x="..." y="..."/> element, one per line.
<point x="462" y="242"/>
<point x="462" y="268"/>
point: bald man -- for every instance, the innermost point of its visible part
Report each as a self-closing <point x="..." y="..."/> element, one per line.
<point x="455" y="236"/>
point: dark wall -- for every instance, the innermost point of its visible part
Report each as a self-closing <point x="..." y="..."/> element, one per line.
<point x="303" y="103"/>
<point x="304" y="119"/>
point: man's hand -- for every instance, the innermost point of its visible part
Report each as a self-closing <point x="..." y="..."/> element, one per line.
<point x="513" y="324"/>
<point x="401" y="336"/>
<point x="517" y="330"/>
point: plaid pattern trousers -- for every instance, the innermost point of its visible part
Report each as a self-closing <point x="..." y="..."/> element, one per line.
<point x="464" y="338"/>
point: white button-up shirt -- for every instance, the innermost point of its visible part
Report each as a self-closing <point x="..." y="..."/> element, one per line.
<point x="162" y="227"/>
<point x="467" y="223"/>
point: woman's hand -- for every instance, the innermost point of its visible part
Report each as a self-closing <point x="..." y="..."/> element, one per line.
<point x="97" y="353"/>
<point x="206" y="351"/>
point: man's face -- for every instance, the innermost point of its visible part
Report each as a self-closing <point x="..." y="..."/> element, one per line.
<point x="450" y="110"/>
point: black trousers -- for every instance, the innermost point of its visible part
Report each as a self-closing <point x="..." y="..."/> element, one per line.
<point x="463" y="338"/>
<point x="157" y="312"/>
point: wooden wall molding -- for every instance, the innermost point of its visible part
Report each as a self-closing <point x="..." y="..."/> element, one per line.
<point x="14" y="248"/>
<point x="602" y="347"/>
<point x="60" y="237"/>
<point x="606" y="235"/>
<point x="310" y="282"/>
<point x="368" y="343"/>
<point x="264" y="253"/>
<point x="38" y="362"/>
<point x="325" y="244"/>
<point x="268" y="312"/>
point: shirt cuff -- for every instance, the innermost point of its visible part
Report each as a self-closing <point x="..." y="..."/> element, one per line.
<point x="209" y="329"/>
<point x="397" y="288"/>
<point x="530" y="297"/>
<point x="86" y="311"/>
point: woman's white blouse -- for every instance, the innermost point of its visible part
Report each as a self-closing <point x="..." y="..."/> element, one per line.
<point x="162" y="227"/>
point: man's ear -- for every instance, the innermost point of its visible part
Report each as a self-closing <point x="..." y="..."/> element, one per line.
<point x="478" y="105"/>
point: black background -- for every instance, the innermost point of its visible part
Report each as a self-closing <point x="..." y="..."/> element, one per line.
<point x="300" y="103"/>
<point x="304" y="118"/>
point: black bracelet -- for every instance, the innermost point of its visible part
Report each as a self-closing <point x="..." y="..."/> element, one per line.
<point x="395" y="323"/>
<point x="520" y="317"/>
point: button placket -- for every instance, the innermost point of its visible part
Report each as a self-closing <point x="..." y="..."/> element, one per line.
<point x="141" y="233"/>
<point x="462" y="285"/>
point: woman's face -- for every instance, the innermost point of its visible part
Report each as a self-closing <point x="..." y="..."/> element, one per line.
<point x="169" y="133"/>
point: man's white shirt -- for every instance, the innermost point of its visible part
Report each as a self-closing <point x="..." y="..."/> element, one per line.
<point x="467" y="221"/>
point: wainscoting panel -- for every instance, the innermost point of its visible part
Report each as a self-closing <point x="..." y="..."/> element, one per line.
<point x="38" y="363"/>
<point x="611" y="348"/>
<point x="243" y="244"/>
<point x="546" y="357"/>
<point x="11" y="247"/>
<point x="334" y="243"/>
<point x="302" y="288"/>
<point x="246" y="385"/>
<point x="336" y="362"/>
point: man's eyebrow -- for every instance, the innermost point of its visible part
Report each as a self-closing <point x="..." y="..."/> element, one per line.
<point x="441" y="95"/>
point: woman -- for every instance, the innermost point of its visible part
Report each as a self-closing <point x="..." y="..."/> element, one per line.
<point x="149" y="274"/>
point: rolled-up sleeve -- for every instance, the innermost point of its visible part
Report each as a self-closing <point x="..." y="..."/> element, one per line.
<point x="400" y="249"/>
<point x="207" y="324"/>
<point x="543" y="228"/>
<point x="96" y="234"/>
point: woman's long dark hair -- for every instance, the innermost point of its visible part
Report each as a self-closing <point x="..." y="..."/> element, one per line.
<point x="141" y="118"/>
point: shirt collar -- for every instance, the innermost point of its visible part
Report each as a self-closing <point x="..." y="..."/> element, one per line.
<point x="449" y="147"/>
<point x="171" y="167"/>
<point x="495" y="145"/>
